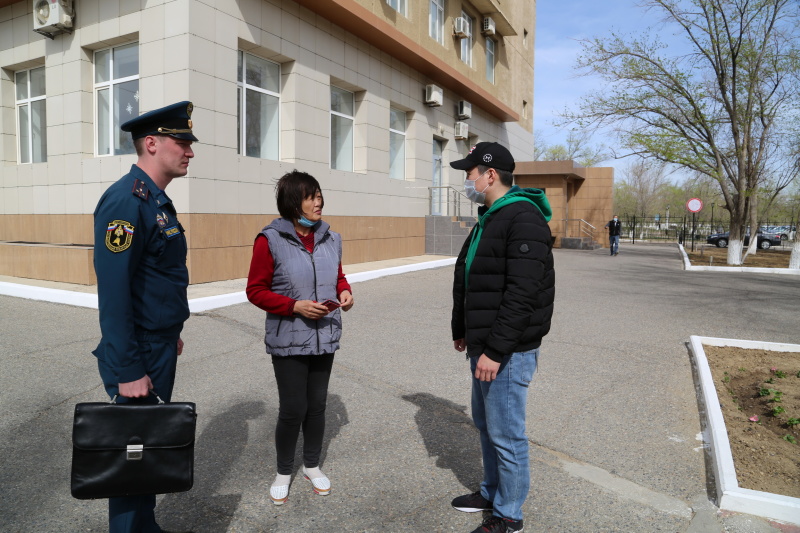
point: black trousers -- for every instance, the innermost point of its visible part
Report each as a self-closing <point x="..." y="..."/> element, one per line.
<point x="303" y="395"/>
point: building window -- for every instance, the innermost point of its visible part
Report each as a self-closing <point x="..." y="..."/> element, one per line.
<point x="466" y="41"/>
<point x="116" y="91"/>
<point x="490" y="60"/>
<point x="31" y="115"/>
<point x="342" y="113"/>
<point x="258" y="104"/>
<point x="398" y="5"/>
<point x="436" y="20"/>
<point x="397" y="144"/>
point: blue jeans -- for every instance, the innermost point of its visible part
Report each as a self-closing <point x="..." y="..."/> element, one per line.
<point x="613" y="242"/>
<point x="498" y="410"/>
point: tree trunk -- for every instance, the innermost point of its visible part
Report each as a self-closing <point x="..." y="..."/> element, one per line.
<point x="794" y="260"/>
<point x="752" y="207"/>
<point x="735" y="252"/>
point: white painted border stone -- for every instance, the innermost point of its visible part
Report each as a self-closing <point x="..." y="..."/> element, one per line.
<point x="687" y="265"/>
<point x="732" y="497"/>
<point x="196" y="305"/>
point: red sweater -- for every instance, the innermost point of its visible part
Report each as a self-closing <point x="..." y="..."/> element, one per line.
<point x="262" y="268"/>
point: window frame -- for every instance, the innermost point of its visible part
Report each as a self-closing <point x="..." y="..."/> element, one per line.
<point x="466" y="42"/>
<point x="401" y="6"/>
<point x="490" y="59"/>
<point x="28" y="102"/>
<point x="437" y="22"/>
<point x="241" y="108"/>
<point x="352" y="119"/>
<point x="393" y="133"/>
<point x="109" y="85"/>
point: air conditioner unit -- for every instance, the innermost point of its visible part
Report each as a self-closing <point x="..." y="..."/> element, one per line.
<point x="433" y="95"/>
<point x="460" y="27"/>
<point x="488" y="26"/>
<point x="462" y="130"/>
<point x="52" y="16"/>
<point x="464" y="109"/>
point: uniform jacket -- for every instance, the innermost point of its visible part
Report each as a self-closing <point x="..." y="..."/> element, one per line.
<point x="504" y="283"/>
<point x="140" y="262"/>
<point x="301" y="275"/>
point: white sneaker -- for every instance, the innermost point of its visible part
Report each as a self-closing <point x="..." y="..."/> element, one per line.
<point x="320" y="483"/>
<point x="279" y="491"/>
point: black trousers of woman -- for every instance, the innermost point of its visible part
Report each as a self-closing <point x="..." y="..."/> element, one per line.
<point x="303" y="395"/>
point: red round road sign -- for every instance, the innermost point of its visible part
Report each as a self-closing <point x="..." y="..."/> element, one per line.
<point x="695" y="205"/>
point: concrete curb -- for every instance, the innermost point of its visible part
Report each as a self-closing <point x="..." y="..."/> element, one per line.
<point x="730" y="496"/>
<point x="687" y="265"/>
<point x="196" y="305"/>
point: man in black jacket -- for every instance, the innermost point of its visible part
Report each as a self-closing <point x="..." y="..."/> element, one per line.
<point x="503" y="293"/>
<point x="614" y="229"/>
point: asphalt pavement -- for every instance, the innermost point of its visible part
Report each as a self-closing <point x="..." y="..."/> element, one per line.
<point x="613" y="418"/>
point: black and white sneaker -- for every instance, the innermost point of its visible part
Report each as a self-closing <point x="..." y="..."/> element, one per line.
<point x="472" y="503"/>
<point x="496" y="524"/>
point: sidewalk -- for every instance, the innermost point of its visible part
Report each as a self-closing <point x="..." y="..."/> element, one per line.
<point x="613" y="420"/>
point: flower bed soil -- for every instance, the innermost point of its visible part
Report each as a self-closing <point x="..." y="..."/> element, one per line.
<point x="709" y="255"/>
<point x="763" y="460"/>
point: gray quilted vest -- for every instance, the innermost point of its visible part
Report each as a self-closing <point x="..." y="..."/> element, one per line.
<point x="303" y="276"/>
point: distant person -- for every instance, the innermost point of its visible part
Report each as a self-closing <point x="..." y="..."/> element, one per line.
<point x="614" y="229"/>
<point x="503" y="291"/>
<point x="296" y="277"/>
<point x="140" y="261"/>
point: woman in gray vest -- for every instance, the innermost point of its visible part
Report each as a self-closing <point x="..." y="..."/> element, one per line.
<point x="296" y="277"/>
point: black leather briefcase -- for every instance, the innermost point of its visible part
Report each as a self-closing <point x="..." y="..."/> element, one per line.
<point x="130" y="449"/>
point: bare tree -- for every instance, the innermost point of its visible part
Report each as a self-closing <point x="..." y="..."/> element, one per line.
<point x="577" y="148"/>
<point x="646" y="182"/>
<point x="712" y="109"/>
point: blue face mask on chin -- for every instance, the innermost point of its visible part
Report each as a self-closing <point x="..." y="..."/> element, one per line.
<point x="303" y="221"/>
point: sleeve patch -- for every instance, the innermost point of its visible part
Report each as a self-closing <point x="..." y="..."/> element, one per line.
<point x="119" y="235"/>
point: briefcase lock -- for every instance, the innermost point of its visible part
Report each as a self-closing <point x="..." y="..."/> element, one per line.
<point x="135" y="452"/>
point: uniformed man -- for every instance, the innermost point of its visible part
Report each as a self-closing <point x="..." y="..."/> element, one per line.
<point x="140" y="261"/>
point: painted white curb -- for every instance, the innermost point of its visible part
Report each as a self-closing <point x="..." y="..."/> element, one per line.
<point x="687" y="265"/>
<point x="196" y="305"/>
<point x="730" y="496"/>
<point x="45" y="294"/>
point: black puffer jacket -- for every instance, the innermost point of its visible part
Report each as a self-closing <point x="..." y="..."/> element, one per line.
<point x="506" y="304"/>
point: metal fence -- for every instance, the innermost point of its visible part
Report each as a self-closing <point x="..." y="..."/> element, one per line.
<point x="686" y="229"/>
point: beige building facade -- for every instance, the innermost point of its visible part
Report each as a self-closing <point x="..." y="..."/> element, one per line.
<point x="372" y="97"/>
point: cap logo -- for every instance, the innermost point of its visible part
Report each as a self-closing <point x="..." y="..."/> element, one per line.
<point x="189" y="109"/>
<point x="473" y="148"/>
<point x="487" y="158"/>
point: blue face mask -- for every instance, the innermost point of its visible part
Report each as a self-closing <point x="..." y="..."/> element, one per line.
<point x="303" y="221"/>
<point x="479" y="197"/>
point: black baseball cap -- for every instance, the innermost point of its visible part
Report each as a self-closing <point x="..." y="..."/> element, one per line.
<point x="488" y="154"/>
<point x="174" y="120"/>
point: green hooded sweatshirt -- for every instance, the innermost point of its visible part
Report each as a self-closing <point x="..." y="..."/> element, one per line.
<point x="514" y="194"/>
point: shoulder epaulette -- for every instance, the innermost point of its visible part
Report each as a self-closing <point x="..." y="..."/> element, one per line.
<point x="140" y="189"/>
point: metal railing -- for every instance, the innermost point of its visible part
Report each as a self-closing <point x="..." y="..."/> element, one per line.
<point x="578" y="227"/>
<point x="446" y="200"/>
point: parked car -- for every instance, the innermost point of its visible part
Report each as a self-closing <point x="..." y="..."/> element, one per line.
<point x="764" y="240"/>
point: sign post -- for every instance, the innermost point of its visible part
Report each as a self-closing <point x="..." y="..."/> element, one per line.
<point x="695" y="205"/>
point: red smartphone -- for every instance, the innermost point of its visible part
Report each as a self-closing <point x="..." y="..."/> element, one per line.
<point x="331" y="304"/>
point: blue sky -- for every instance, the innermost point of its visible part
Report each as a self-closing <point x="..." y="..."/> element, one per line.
<point x="560" y="24"/>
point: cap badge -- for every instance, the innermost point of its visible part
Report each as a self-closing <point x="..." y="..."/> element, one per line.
<point x="487" y="158"/>
<point x="189" y="108"/>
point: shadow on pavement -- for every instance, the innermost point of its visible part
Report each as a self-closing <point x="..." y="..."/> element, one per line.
<point x="449" y="435"/>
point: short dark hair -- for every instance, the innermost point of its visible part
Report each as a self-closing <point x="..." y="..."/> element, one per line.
<point x="290" y="191"/>
<point x="506" y="177"/>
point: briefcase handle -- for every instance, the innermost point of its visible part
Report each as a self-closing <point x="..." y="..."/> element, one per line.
<point x="160" y="401"/>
